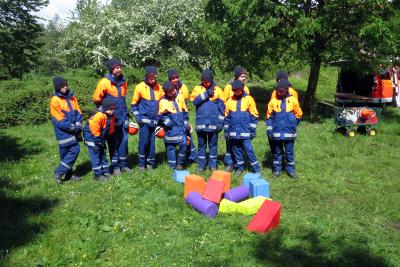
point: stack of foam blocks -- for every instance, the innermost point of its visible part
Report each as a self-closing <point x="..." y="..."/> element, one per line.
<point x="215" y="195"/>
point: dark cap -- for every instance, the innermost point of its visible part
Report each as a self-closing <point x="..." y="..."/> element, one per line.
<point x="113" y="63"/>
<point x="237" y="71"/>
<point x="173" y="74"/>
<point x="150" y="70"/>
<point x="207" y="75"/>
<point x="108" y="104"/>
<point x="236" y="85"/>
<point x="58" y="83"/>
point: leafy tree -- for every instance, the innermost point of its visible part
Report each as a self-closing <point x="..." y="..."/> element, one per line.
<point x="19" y="32"/>
<point x="314" y="30"/>
<point x="136" y="31"/>
<point x="50" y="61"/>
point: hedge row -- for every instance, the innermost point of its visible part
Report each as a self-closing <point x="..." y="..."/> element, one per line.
<point x="26" y="101"/>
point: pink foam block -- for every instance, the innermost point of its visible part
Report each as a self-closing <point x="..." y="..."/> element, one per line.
<point x="267" y="217"/>
<point x="214" y="190"/>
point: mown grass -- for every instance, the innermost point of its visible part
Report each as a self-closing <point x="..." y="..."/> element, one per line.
<point x="342" y="212"/>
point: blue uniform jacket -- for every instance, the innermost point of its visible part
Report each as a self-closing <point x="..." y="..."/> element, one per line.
<point x="66" y="117"/>
<point x="209" y="110"/>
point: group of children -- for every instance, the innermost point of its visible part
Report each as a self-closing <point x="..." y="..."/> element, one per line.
<point x="232" y="110"/>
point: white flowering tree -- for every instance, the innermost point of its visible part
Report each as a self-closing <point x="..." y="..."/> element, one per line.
<point x="135" y="31"/>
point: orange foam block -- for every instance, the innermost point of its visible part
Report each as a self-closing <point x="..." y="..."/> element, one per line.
<point x="194" y="183"/>
<point x="224" y="177"/>
<point x="267" y="217"/>
<point x="214" y="190"/>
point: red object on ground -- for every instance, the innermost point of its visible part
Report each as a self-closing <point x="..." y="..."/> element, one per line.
<point x="267" y="217"/>
<point x="224" y="177"/>
<point x="214" y="190"/>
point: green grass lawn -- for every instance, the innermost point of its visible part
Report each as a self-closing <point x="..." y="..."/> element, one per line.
<point x="343" y="211"/>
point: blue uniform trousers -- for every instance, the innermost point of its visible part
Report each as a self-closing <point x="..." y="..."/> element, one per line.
<point x="228" y="160"/>
<point x="118" y="148"/>
<point x="68" y="156"/>
<point x="191" y="151"/>
<point x="280" y="147"/>
<point x="210" y="139"/>
<point x="171" y="153"/>
<point x="240" y="145"/>
<point x="147" y="146"/>
<point x="98" y="159"/>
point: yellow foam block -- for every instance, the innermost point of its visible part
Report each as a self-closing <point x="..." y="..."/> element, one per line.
<point x="227" y="206"/>
<point x="251" y="206"/>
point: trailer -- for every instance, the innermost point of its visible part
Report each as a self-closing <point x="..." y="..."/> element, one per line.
<point x="353" y="120"/>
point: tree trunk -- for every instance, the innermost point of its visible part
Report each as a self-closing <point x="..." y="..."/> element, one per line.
<point x="312" y="84"/>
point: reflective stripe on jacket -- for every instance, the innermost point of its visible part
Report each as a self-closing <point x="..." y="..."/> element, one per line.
<point x="116" y="88"/>
<point x="209" y="110"/>
<point x="96" y="128"/>
<point x="283" y="117"/>
<point x="174" y="117"/>
<point x="145" y="103"/>
<point x="241" y="117"/>
<point x="66" y="116"/>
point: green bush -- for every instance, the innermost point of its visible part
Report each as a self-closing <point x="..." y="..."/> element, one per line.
<point x="26" y="101"/>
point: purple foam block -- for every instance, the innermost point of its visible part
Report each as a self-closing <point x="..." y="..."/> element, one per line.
<point x="203" y="206"/>
<point x="237" y="194"/>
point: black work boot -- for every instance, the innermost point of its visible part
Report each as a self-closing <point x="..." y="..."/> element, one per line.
<point x="229" y="168"/>
<point x="58" y="178"/>
<point x="293" y="175"/>
<point x="179" y="167"/>
<point x="276" y="174"/>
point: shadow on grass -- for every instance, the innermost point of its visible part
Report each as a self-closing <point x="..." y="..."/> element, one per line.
<point x="267" y="161"/>
<point x="16" y="225"/>
<point x="12" y="148"/>
<point x="83" y="168"/>
<point x="311" y="250"/>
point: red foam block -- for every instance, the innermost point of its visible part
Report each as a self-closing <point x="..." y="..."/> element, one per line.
<point x="267" y="217"/>
<point x="214" y="190"/>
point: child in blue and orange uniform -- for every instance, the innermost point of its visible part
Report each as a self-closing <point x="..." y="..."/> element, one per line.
<point x="210" y="108"/>
<point x="66" y="117"/>
<point x="239" y="74"/>
<point x="182" y="91"/>
<point x="283" y="115"/>
<point x="114" y="86"/>
<point x="144" y="106"/>
<point x="173" y="115"/>
<point x="99" y="128"/>
<point x="241" y="118"/>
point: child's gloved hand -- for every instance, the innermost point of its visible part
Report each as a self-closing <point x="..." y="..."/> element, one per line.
<point x="72" y="128"/>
